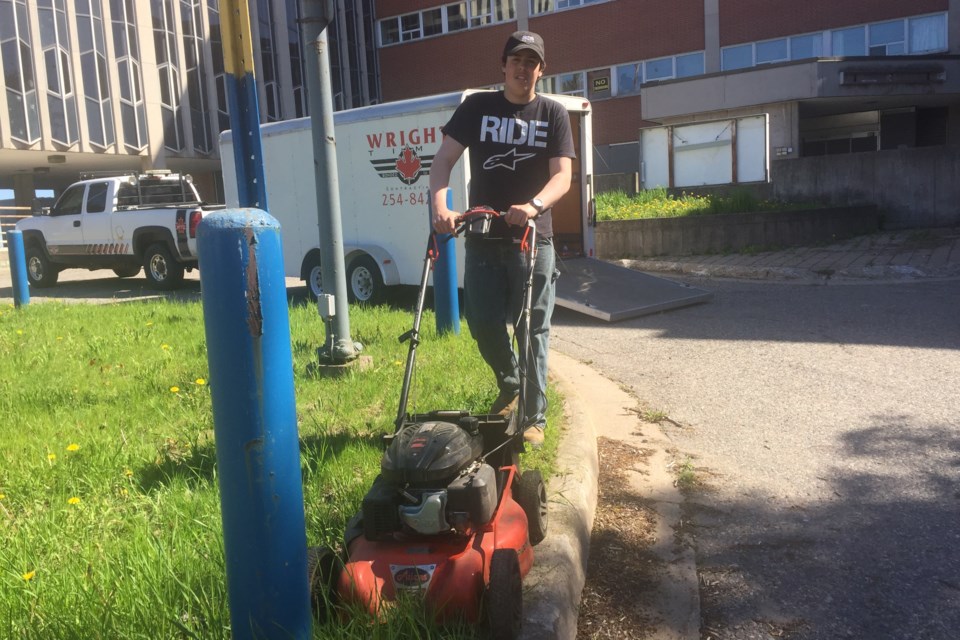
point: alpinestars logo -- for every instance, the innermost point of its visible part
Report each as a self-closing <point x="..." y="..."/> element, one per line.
<point x="506" y="160"/>
<point x="407" y="167"/>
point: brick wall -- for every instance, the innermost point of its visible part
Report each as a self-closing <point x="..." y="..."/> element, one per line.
<point x="749" y="20"/>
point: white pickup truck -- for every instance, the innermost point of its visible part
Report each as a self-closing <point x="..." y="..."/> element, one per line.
<point x="121" y="223"/>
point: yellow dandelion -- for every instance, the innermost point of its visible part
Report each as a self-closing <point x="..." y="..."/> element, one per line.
<point x="2" y="496"/>
<point x="28" y="576"/>
<point x="59" y="337"/>
<point x="51" y="456"/>
<point x="165" y="347"/>
<point x="73" y="500"/>
<point x="174" y="389"/>
<point x="128" y="473"/>
<point x="73" y="446"/>
<point x="150" y="324"/>
<point x="19" y="332"/>
<point x="397" y="363"/>
<point x="200" y="381"/>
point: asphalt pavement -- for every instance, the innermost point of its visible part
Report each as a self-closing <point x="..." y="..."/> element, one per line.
<point x="929" y="255"/>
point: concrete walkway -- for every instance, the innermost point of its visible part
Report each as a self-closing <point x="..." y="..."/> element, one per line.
<point x="898" y="255"/>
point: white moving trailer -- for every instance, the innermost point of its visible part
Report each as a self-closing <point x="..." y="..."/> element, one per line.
<point x="384" y="154"/>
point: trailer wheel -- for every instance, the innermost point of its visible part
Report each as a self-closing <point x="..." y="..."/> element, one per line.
<point x="313" y="276"/>
<point x="40" y="271"/>
<point x="503" y="598"/>
<point x="127" y="272"/>
<point x="532" y="496"/>
<point x="323" y="570"/>
<point x="364" y="282"/>
<point x="163" y="272"/>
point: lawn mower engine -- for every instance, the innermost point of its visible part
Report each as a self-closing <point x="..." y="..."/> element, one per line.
<point x="432" y="481"/>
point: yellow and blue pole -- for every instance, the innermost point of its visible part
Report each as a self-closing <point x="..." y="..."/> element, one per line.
<point x="18" y="268"/>
<point x="238" y="63"/>
<point x="251" y="379"/>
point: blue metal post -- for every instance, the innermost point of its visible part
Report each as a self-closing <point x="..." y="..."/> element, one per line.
<point x="238" y="63"/>
<point x="18" y="268"/>
<point x="255" y="424"/>
<point x="446" y="302"/>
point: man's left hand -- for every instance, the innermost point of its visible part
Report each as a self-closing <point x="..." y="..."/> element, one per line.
<point x="519" y="214"/>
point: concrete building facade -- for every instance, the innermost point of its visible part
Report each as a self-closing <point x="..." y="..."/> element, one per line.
<point x="119" y="84"/>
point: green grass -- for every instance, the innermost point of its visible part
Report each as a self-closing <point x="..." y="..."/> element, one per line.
<point x="109" y="507"/>
<point x="658" y="203"/>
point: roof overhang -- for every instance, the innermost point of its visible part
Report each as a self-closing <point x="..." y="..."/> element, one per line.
<point x="823" y="86"/>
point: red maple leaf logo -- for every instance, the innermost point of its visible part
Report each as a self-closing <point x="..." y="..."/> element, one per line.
<point x="408" y="165"/>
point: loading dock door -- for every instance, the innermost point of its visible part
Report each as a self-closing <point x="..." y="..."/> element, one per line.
<point x="611" y="292"/>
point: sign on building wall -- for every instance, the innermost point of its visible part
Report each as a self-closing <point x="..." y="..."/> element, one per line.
<point x="705" y="153"/>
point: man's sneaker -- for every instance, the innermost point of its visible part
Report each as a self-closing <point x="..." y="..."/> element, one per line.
<point x="505" y="403"/>
<point x="533" y="436"/>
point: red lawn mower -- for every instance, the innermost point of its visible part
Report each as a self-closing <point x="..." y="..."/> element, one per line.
<point x="450" y="519"/>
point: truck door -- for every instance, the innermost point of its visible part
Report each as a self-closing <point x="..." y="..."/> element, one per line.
<point x="64" y="234"/>
<point x="567" y="218"/>
<point x="97" y="217"/>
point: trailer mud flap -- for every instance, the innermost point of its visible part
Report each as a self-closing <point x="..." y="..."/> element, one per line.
<point x="611" y="292"/>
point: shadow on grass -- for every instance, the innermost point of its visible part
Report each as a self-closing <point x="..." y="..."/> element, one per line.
<point x="195" y="463"/>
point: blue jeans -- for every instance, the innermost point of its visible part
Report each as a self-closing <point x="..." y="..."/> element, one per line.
<point x="493" y="282"/>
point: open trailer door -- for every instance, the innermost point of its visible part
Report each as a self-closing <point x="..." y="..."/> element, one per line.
<point x="611" y="292"/>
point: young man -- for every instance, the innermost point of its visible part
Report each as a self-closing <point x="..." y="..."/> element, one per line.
<point x="520" y="163"/>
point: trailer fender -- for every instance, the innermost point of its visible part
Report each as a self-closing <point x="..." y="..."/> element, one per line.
<point x="386" y="263"/>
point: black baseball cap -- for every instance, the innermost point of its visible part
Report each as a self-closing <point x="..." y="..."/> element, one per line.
<point x="520" y="40"/>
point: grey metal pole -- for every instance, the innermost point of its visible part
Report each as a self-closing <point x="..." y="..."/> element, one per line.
<point x="316" y="15"/>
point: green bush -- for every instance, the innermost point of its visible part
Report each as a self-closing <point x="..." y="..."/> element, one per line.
<point x="657" y="203"/>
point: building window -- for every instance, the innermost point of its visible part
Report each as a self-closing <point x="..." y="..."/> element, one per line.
<point x="690" y="64"/>
<point x="547" y="6"/>
<point x="738" y="57"/>
<point x="297" y="69"/>
<point x="445" y="19"/>
<point x="659" y="69"/>
<point x="268" y="60"/>
<point x="168" y="70"/>
<point x="126" y="44"/>
<point x="629" y="79"/>
<point x="849" y="42"/>
<point x="887" y="39"/>
<point x="410" y="27"/>
<point x="806" y="46"/>
<point x="570" y="84"/>
<point x="192" y="21"/>
<point x="772" y="51"/>
<point x="19" y="79"/>
<point x="93" y="70"/>
<point x="55" y="44"/>
<point x="219" y="75"/>
<point x="928" y="33"/>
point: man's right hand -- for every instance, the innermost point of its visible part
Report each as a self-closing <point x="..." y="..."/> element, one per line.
<point x="445" y="220"/>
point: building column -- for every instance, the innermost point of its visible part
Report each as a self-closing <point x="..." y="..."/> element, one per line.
<point x="23" y="190"/>
<point x="953" y="26"/>
<point x="711" y="35"/>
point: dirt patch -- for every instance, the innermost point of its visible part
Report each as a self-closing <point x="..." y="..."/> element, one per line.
<point x="621" y="573"/>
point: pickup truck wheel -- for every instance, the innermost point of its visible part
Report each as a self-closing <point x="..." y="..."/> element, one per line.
<point x="126" y="272"/>
<point x="163" y="272"/>
<point x="40" y="271"/>
<point x="364" y="282"/>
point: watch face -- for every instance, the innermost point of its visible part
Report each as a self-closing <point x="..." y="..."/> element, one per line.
<point x="537" y="203"/>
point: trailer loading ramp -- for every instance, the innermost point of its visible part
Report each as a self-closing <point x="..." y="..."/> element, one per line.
<point x="611" y="292"/>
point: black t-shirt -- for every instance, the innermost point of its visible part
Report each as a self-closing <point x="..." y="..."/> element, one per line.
<point x="510" y="148"/>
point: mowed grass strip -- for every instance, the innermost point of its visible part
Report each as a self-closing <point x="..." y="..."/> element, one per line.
<point x="109" y="505"/>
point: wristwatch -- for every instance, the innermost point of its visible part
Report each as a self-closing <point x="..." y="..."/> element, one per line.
<point x="537" y="204"/>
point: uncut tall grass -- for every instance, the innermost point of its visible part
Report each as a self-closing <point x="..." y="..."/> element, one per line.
<point x="109" y="506"/>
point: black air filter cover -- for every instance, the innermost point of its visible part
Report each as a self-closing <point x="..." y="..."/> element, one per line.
<point x="429" y="452"/>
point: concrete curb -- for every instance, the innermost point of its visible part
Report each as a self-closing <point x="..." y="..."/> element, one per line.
<point x="554" y="585"/>
<point x="597" y="406"/>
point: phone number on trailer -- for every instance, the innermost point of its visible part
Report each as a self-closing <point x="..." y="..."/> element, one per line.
<point x="414" y="198"/>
